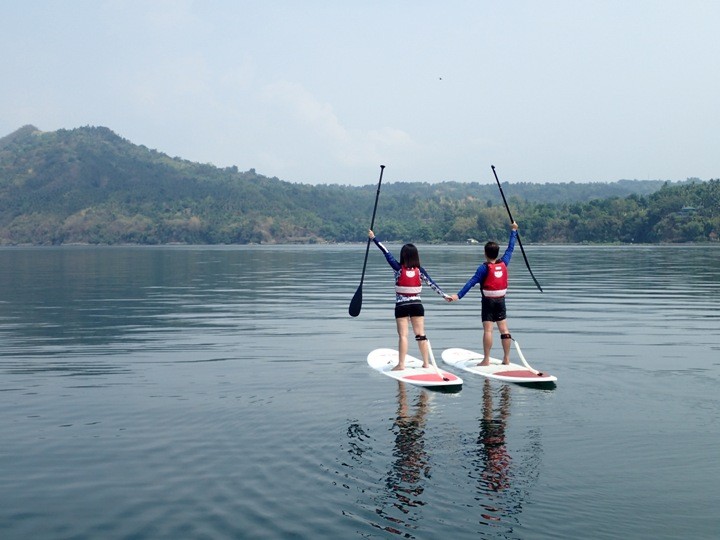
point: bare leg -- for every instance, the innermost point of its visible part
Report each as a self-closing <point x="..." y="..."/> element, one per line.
<point x="402" y="330"/>
<point x="487" y="342"/>
<point x="503" y="327"/>
<point x="418" y="324"/>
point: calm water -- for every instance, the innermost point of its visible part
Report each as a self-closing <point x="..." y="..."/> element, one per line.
<point x="188" y="392"/>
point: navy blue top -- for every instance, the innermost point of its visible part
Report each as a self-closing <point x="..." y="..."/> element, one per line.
<point x="482" y="270"/>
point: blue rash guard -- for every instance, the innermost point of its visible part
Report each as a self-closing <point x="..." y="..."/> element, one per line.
<point x="401" y="298"/>
<point x="482" y="270"/>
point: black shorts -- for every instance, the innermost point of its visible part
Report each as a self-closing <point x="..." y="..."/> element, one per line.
<point x="415" y="309"/>
<point x="493" y="309"/>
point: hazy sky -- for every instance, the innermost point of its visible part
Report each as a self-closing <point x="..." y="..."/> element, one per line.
<point x="326" y="91"/>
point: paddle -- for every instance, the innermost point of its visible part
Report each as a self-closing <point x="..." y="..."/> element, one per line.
<point x="356" y="302"/>
<point x="518" y="236"/>
<point x="434" y="363"/>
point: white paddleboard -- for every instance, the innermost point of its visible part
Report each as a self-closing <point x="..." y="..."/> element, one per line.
<point x="512" y="373"/>
<point x="383" y="360"/>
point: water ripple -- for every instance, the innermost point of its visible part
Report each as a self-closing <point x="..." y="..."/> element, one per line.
<point x="223" y="393"/>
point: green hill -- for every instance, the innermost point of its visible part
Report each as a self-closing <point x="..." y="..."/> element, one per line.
<point x="89" y="185"/>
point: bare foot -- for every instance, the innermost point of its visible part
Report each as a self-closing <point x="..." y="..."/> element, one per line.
<point x="426" y="365"/>
<point x="483" y="363"/>
<point x="398" y="368"/>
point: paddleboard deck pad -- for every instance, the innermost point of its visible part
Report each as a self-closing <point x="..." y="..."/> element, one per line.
<point x="384" y="360"/>
<point x="513" y="373"/>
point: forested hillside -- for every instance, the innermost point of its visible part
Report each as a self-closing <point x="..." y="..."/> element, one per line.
<point x="88" y="185"/>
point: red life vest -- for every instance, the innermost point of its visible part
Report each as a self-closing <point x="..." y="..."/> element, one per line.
<point x="408" y="282"/>
<point x="496" y="281"/>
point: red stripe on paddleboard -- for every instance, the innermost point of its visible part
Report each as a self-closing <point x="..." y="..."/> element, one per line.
<point x="430" y="377"/>
<point x="518" y="373"/>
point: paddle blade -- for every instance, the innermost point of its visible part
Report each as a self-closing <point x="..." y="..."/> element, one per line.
<point x="356" y="303"/>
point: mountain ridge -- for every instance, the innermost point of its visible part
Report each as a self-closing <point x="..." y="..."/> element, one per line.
<point x="90" y="185"/>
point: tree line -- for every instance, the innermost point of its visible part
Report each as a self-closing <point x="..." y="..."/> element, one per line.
<point x="88" y="185"/>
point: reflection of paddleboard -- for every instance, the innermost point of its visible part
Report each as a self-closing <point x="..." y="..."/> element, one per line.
<point x="383" y="360"/>
<point x="514" y="373"/>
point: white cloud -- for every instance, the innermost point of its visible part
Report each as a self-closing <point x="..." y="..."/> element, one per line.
<point x="306" y="93"/>
<point x="350" y="147"/>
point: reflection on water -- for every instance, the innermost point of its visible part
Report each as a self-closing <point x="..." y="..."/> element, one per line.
<point x="399" y="497"/>
<point x="504" y="472"/>
<point x="410" y="468"/>
<point x="223" y="393"/>
<point x="493" y="468"/>
<point x="73" y="310"/>
<point x="492" y="447"/>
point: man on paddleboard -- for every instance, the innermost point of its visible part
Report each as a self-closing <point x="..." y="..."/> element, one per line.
<point x="492" y="275"/>
<point x="409" y="276"/>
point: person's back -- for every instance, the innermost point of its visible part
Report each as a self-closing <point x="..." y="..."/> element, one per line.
<point x="492" y="276"/>
<point x="409" y="275"/>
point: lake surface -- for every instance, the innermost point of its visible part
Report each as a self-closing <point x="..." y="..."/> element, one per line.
<point x="223" y="392"/>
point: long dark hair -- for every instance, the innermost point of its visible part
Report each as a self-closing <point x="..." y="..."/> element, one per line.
<point x="409" y="256"/>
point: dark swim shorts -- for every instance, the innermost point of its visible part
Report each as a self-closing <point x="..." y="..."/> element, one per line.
<point x="415" y="309"/>
<point x="493" y="309"/>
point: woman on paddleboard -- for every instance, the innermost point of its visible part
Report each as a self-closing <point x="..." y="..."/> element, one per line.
<point x="492" y="275"/>
<point x="409" y="276"/>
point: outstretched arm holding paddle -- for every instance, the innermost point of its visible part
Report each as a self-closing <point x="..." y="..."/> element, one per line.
<point x="356" y="302"/>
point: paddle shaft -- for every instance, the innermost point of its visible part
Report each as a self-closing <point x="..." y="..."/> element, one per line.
<point x="356" y="302"/>
<point x="507" y="207"/>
